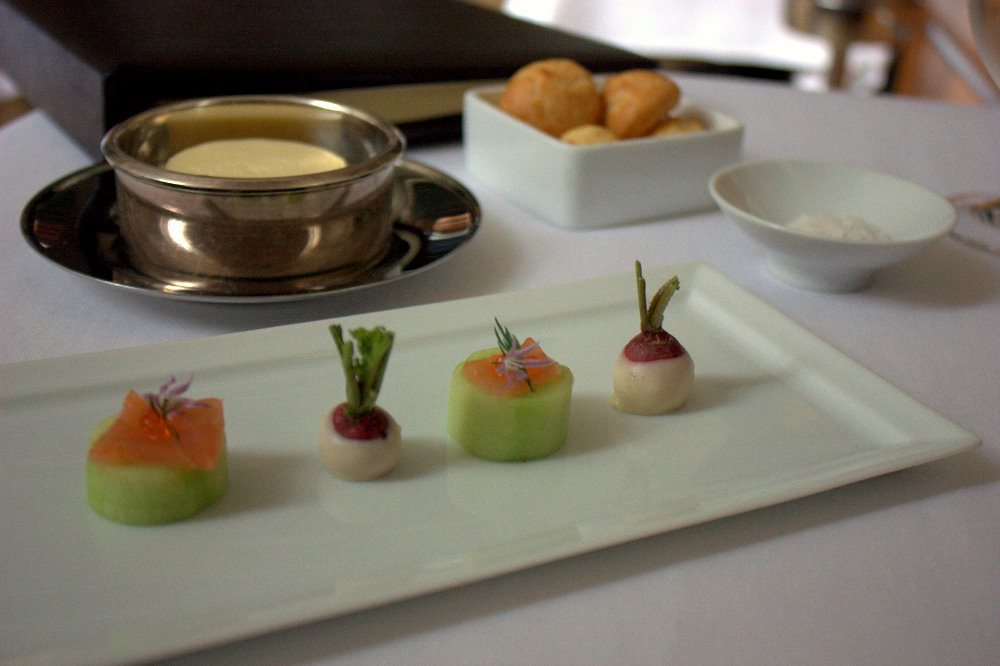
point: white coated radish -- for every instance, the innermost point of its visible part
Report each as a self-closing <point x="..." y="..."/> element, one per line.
<point x="358" y="440"/>
<point x="359" y="459"/>
<point x="653" y="374"/>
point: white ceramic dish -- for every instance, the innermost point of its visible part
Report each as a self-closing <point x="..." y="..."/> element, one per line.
<point x="763" y="197"/>
<point x="582" y="187"/>
<point x="776" y="414"/>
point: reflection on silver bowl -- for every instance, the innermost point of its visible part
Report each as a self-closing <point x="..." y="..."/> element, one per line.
<point x="182" y="227"/>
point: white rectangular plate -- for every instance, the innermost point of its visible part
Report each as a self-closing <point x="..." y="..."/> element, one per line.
<point x="776" y="414"/>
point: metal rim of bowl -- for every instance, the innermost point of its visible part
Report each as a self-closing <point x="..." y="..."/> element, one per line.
<point x="120" y="159"/>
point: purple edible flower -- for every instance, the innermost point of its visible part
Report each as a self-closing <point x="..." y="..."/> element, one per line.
<point x="514" y="361"/>
<point x="170" y="398"/>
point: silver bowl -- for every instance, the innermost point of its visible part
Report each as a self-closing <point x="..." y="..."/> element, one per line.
<point x="187" y="228"/>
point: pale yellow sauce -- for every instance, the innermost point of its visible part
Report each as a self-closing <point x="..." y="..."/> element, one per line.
<point x="254" y="158"/>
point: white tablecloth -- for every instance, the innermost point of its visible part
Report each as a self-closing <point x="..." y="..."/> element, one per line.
<point x="899" y="569"/>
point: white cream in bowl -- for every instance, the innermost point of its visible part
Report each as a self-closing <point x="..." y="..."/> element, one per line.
<point x="836" y="226"/>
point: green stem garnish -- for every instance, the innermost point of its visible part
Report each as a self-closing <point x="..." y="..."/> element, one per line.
<point x="364" y="371"/>
<point x="651" y="318"/>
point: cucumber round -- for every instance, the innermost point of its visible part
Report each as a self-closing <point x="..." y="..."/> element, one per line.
<point x="152" y="494"/>
<point x="509" y="428"/>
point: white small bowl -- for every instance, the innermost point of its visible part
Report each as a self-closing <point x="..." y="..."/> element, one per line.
<point x="583" y="187"/>
<point x="763" y="197"/>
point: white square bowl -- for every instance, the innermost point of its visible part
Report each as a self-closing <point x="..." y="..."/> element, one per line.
<point x="584" y="187"/>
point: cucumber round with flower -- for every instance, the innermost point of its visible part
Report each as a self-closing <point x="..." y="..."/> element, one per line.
<point x="504" y="415"/>
<point x="160" y="460"/>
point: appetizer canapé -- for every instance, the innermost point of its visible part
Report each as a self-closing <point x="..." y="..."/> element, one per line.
<point x="359" y="440"/>
<point x="653" y="374"/>
<point x="510" y="402"/>
<point x="162" y="459"/>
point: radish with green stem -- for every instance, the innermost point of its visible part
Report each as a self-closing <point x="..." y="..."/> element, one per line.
<point x="653" y="374"/>
<point x="359" y="440"/>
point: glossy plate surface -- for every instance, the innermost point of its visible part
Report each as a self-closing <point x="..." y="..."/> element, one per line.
<point x="72" y="223"/>
<point x="776" y="414"/>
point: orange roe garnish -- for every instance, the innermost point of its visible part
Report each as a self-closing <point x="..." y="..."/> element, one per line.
<point x="156" y="426"/>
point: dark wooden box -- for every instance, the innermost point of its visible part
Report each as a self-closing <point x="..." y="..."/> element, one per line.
<point x="92" y="64"/>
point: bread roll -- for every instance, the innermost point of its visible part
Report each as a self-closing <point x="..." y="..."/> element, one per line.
<point x="586" y="135"/>
<point x="638" y="100"/>
<point x="679" y="125"/>
<point x="553" y="95"/>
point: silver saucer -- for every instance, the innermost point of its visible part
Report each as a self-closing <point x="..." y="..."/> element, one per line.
<point x="72" y="223"/>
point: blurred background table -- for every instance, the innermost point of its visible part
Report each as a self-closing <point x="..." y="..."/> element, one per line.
<point x="920" y="48"/>
<point x="907" y="47"/>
